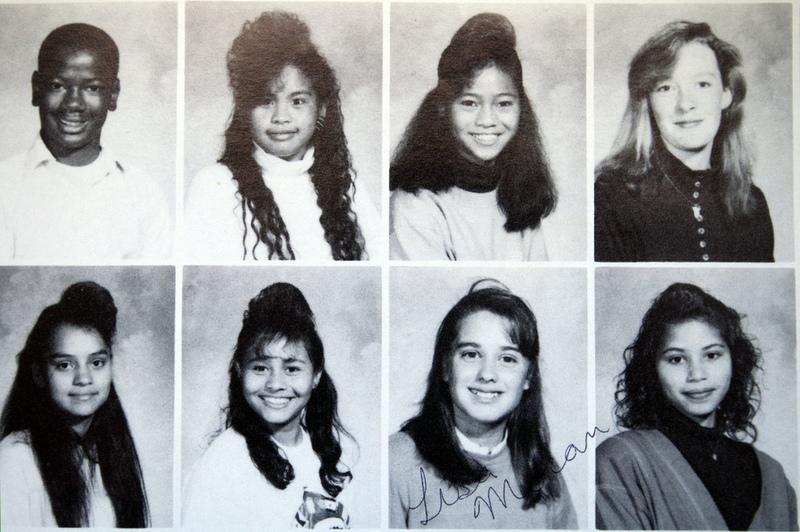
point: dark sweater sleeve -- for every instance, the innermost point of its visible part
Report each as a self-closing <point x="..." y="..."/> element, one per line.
<point x="614" y="236"/>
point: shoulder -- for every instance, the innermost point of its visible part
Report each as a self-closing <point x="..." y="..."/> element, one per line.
<point x="770" y="468"/>
<point x="421" y="199"/>
<point x="628" y="446"/>
<point x="212" y="179"/>
<point x="403" y="456"/>
<point x="16" y="453"/>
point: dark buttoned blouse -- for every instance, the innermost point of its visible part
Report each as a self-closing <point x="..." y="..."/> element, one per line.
<point x="658" y="224"/>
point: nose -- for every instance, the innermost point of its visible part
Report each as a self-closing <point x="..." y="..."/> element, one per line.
<point x="281" y="114"/>
<point x="83" y="376"/>
<point x="74" y="98"/>
<point x="697" y="372"/>
<point x="486" y="116"/>
<point x="275" y="381"/>
<point x="487" y="371"/>
<point x="686" y="100"/>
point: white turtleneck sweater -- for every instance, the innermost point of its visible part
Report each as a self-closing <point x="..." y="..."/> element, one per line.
<point x="213" y="226"/>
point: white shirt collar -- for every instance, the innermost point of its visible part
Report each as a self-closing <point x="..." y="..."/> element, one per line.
<point x="281" y="167"/>
<point x="473" y="448"/>
<point x="105" y="164"/>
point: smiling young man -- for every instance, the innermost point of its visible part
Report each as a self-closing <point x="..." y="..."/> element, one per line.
<point x="68" y="198"/>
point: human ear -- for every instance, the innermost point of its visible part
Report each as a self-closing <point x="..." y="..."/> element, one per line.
<point x="527" y="385"/>
<point x="36" y="88"/>
<point x="323" y="109"/>
<point x="727" y="98"/>
<point x="317" y="377"/>
<point x="114" y="90"/>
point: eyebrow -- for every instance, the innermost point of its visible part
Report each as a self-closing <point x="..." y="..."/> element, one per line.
<point x="291" y="360"/>
<point x="709" y="346"/>
<point x="476" y="95"/>
<point x="64" y="355"/>
<point x="476" y="344"/>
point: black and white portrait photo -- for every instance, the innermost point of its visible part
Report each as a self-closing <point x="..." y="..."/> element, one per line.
<point x="696" y="381"/>
<point x="283" y="132"/>
<point x="488" y="132"/>
<point x="87" y="384"/>
<point x="281" y="397"/>
<point x="487" y="386"/>
<point x="697" y="164"/>
<point x="87" y="160"/>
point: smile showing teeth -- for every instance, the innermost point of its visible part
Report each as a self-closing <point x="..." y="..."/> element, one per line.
<point x="485" y="397"/>
<point x="83" y="397"/>
<point x="276" y="402"/>
<point x="485" y="139"/>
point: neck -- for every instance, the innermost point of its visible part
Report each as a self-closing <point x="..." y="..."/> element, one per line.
<point x="81" y="427"/>
<point x="288" y="435"/>
<point x="694" y="160"/>
<point x="483" y="434"/>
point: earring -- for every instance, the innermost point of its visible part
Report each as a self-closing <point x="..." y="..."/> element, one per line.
<point x="320" y="122"/>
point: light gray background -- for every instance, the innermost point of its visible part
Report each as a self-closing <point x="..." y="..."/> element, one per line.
<point x="765" y="296"/>
<point x="348" y="35"/>
<point x="763" y="33"/>
<point x="347" y="304"/>
<point x="143" y="353"/>
<point x="142" y="129"/>
<point x="421" y="297"/>
<point x="551" y="43"/>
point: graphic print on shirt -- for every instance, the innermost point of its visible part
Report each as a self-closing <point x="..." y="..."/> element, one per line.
<point x="321" y="511"/>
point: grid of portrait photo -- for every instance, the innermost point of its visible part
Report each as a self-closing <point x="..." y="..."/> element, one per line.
<point x="384" y="265"/>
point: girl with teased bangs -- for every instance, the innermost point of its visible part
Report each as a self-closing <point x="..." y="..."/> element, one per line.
<point x="284" y="187"/>
<point x="67" y="457"/>
<point x="481" y="427"/>
<point x="470" y="177"/>
<point x="278" y="463"/>
<point x="688" y="396"/>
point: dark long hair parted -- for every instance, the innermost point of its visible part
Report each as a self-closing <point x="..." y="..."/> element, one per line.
<point x="433" y="429"/>
<point x="257" y="57"/>
<point x="428" y="155"/>
<point x="633" y="155"/>
<point x="639" y="397"/>
<point x="280" y="311"/>
<point x="59" y="452"/>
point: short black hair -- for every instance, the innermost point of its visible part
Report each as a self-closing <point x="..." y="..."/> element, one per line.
<point x="78" y="37"/>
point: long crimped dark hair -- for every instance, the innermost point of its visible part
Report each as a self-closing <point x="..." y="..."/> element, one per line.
<point x="58" y="450"/>
<point x="280" y="311"/>
<point x="428" y="155"/>
<point x="433" y="429"/>
<point x="639" y="398"/>
<point x="633" y="155"/>
<point x="257" y="57"/>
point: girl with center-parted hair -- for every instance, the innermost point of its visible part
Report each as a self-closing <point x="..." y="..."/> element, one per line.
<point x="284" y="187"/>
<point x="678" y="184"/>
<point x="278" y="463"/>
<point x="470" y="178"/>
<point x="67" y="457"/>
<point x="477" y="455"/>
<point x="688" y="394"/>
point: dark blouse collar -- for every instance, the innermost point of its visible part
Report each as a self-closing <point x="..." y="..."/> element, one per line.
<point x="681" y="175"/>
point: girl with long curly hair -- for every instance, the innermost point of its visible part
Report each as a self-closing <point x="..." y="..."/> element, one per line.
<point x="481" y="429"/>
<point x="67" y="457"/>
<point x="688" y="394"/>
<point x="278" y="463"/>
<point x="470" y="177"/>
<point x="678" y="184"/>
<point x="284" y="187"/>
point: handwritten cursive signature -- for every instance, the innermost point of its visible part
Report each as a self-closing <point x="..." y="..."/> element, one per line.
<point x="572" y="452"/>
<point x="461" y="494"/>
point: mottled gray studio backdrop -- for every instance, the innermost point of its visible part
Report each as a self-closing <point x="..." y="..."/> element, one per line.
<point x="347" y="304"/>
<point x="551" y="43"/>
<point x="421" y="297"/>
<point x="765" y="296"/>
<point x="349" y="36"/>
<point x="142" y="129"/>
<point x="143" y="353"/>
<point x="763" y="33"/>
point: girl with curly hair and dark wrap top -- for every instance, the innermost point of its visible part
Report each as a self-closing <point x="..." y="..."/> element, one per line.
<point x="284" y="187"/>
<point x="688" y="395"/>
